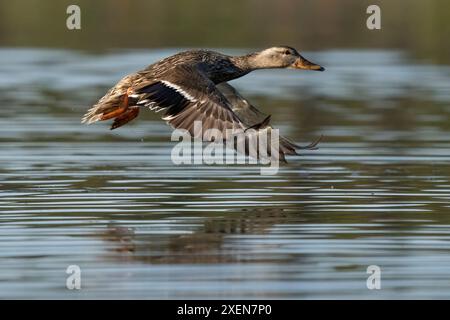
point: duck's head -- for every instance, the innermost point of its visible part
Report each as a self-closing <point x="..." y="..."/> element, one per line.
<point x="281" y="57"/>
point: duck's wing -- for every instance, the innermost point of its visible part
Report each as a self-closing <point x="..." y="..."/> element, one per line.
<point x="252" y="117"/>
<point x="248" y="113"/>
<point x="185" y="96"/>
<point x="182" y="93"/>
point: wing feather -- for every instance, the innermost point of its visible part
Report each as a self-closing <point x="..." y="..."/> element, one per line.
<point x="254" y="118"/>
<point x="184" y="102"/>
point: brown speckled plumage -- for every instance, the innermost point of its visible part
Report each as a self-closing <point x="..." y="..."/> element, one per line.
<point x="192" y="85"/>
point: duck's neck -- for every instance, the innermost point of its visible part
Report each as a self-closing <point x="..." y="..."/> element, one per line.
<point x="232" y="67"/>
<point x="246" y="63"/>
<point x="228" y="68"/>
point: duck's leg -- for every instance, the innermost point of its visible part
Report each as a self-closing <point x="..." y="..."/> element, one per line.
<point x="125" y="117"/>
<point x="121" y="109"/>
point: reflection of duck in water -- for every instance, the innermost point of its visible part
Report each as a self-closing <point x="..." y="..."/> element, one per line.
<point x="203" y="244"/>
<point x="192" y="86"/>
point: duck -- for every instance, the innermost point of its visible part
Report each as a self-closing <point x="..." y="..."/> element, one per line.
<point x="192" y="86"/>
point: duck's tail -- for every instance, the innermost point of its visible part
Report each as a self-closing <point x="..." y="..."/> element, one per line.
<point x="118" y="107"/>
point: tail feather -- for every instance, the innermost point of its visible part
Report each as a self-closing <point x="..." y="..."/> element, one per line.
<point x="115" y="107"/>
<point x="91" y="116"/>
<point x="102" y="108"/>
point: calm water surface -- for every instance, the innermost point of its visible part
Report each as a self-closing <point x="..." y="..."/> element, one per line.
<point x="377" y="192"/>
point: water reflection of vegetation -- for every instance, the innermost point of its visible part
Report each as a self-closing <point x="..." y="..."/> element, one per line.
<point x="420" y="26"/>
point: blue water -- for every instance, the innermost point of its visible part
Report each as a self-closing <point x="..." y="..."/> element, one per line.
<point x="377" y="192"/>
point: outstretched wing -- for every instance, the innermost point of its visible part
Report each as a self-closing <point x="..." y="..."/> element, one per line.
<point x="186" y="101"/>
<point x="253" y="118"/>
<point x="248" y="113"/>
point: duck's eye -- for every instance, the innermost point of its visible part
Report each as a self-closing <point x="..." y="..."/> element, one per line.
<point x="287" y="52"/>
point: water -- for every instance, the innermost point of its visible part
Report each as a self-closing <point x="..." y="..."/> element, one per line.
<point x="377" y="192"/>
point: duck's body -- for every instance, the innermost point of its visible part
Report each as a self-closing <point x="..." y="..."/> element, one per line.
<point x="192" y="86"/>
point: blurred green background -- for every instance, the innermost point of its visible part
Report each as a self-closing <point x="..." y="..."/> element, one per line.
<point x="420" y="27"/>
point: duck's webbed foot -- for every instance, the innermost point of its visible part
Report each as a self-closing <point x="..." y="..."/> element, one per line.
<point x="125" y="117"/>
<point x="123" y="106"/>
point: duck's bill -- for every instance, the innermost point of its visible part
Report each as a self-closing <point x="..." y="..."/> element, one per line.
<point x="302" y="63"/>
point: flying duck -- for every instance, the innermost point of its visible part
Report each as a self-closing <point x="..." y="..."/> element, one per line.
<point x="192" y="86"/>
